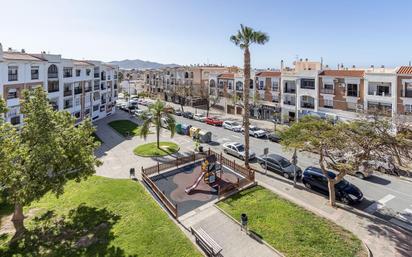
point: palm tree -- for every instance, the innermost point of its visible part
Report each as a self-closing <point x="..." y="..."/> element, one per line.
<point x="245" y="37"/>
<point x="153" y="116"/>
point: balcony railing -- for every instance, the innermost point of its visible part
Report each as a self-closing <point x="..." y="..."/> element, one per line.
<point x="289" y="102"/>
<point x="52" y="89"/>
<point x="307" y="105"/>
<point x="68" y="93"/>
<point x="88" y="89"/>
<point x="378" y="93"/>
<point x="77" y="91"/>
<point x="52" y="75"/>
<point x="329" y="91"/>
<point x="290" y="90"/>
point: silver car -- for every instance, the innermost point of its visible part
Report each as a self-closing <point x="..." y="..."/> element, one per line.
<point x="238" y="150"/>
<point x="232" y="125"/>
<point x="256" y="132"/>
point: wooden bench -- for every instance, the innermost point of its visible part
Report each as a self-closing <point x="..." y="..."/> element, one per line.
<point x="206" y="242"/>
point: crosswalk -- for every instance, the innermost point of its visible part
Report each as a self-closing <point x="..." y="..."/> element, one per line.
<point x="402" y="218"/>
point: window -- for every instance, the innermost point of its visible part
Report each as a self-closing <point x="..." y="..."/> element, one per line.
<point x="15" y="120"/>
<point x="352" y="90"/>
<point x="52" y="72"/>
<point x="53" y="86"/>
<point x="68" y="103"/>
<point x="239" y="86"/>
<point x="67" y="72"/>
<point x="307" y="84"/>
<point x="67" y="89"/>
<point x="78" y="72"/>
<point x="275" y="86"/>
<point x="34" y="72"/>
<point x="12" y="93"/>
<point x="328" y="86"/>
<point x="13" y="73"/>
<point x="408" y="108"/>
<point x="88" y="71"/>
<point x="261" y="85"/>
<point x="77" y="101"/>
<point x="230" y="85"/>
<point x="95" y="108"/>
<point x="328" y="103"/>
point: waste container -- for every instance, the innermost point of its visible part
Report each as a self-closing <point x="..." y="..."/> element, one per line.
<point x="194" y="132"/>
<point x="186" y="129"/>
<point x="179" y="129"/>
<point x="205" y="136"/>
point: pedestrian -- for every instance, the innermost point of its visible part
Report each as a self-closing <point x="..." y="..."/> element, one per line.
<point x="244" y="221"/>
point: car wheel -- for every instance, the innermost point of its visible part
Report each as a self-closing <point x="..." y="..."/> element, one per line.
<point x="345" y="200"/>
<point x="360" y="175"/>
<point x="286" y="175"/>
<point x="307" y="185"/>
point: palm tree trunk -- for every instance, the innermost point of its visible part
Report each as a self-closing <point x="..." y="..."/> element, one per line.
<point x="246" y="75"/>
<point x="18" y="220"/>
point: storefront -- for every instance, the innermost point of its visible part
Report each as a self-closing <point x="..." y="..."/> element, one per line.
<point x="264" y="112"/>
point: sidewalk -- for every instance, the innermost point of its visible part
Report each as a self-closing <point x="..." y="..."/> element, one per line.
<point x="381" y="237"/>
<point x="226" y="233"/>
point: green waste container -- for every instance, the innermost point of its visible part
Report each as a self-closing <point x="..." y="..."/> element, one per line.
<point x="179" y="129"/>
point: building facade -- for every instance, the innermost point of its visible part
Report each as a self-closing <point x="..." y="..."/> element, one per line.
<point x="86" y="89"/>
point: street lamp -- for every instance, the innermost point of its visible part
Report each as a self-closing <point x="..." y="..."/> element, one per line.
<point x="294" y="162"/>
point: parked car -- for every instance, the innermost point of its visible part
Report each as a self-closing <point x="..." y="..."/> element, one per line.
<point x="255" y="131"/>
<point x="345" y="191"/>
<point x="199" y="117"/>
<point x="178" y="112"/>
<point x="274" y="137"/>
<point x="280" y="165"/>
<point x="188" y="115"/>
<point x="238" y="150"/>
<point x="213" y="121"/>
<point x="138" y="113"/>
<point x="232" y="125"/>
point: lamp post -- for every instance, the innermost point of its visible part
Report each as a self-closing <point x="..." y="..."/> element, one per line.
<point x="294" y="162"/>
<point x="128" y="83"/>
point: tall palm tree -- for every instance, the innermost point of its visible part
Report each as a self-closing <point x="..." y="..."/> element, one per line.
<point x="245" y="37"/>
<point x="153" y="116"/>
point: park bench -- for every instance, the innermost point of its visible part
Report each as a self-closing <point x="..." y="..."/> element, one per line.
<point x="206" y="242"/>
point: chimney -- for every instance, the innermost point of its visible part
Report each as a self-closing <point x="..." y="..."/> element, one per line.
<point x="341" y="65"/>
<point x="382" y="66"/>
<point x="281" y="65"/>
<point x="409" y="61"/>
<point x="23" y="51"/>
<point x="306" y="59"/>
<point x="300" y="59"/>
<point x="353" y="66"/>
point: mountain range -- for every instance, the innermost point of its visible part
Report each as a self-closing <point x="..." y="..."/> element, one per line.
<point x="141" y="65"/>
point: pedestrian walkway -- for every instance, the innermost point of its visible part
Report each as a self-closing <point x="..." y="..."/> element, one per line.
<point x="226" y="233"/>
<point x="383" y="238"/>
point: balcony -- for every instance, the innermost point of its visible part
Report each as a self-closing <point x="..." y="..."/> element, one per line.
<point x="52" y="75"/>
<point x="384" y="93"/>
<point x="88" y="89"/>
<point x="68" y="105"/>
<point x="77" y="91"/>
<point x="290" y="90"/>
<point x="53" y="88"/>
<point x="96" y="75"/>
<point x="406" y="93"/>
<point x="328" y="91"/>
<point x="68" y="93"/>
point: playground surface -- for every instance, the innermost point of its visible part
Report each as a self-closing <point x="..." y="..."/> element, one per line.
<point x="173" y="184"/>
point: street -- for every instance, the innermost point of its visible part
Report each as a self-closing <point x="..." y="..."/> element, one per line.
<point x="386" y="196"/>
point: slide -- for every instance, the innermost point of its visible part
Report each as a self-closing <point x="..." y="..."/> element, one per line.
<point x="189" y="189"/>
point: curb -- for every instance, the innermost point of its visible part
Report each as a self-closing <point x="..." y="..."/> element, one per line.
<point x="407" y="179"/>
<point x="367" y="249"/>
<point x="251" y="233"/>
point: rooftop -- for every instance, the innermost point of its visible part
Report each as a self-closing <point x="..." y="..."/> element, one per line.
<point x="405" y="70"/>
<point x="226" y="76"/>
<point x="19" y="56"/>
<point x="343" y="73"/>
<point x="268" y="74"/>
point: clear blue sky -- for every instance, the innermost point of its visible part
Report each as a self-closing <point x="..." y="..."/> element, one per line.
<point x="360" y="32"/>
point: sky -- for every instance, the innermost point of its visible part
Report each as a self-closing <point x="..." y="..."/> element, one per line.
<point x="352" y="32"/>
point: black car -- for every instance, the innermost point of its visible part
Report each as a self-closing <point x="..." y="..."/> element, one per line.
<point x="274" y="137"/>
<point x="178" y="112"/>
<point x="345" y="191"/>
<point x="280" y="165"/>
<point x="188" y="115"/>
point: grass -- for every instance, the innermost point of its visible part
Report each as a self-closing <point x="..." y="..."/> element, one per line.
<point x="151" y="150"/>
<point x="122" y="216"/>
<point x="125" y="127"/>
<point x="289" y="228"/>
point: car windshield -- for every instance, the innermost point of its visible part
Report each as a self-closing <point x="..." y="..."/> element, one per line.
<point x="254" y="128"/>
<point x="342" y="184"/>
<point x="235" y="124"/>
<point x="240" y="148"/>
<point x="284" y="163"/>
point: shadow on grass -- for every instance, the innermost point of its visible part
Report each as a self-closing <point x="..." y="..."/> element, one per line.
<point x="84" y="231"/>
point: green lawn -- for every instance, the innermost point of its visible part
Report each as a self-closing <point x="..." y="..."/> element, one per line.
<point x="289" y="228"/>
<point x="112" y="217"/>
<point x="125" y="127"/>
<point x="151" y="150"/>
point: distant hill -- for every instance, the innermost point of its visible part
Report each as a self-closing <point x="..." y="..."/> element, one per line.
<point x="140" y="64"/>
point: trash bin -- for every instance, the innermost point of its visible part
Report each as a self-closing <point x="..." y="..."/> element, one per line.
<point x="186" y="129"/>
<point x="179" y="129"/>
<point x="194" y="132"/>
<point x="205" y="136"/>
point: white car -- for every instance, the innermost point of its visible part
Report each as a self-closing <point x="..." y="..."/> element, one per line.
<point x="232" y="125"/>
<point x="238" y="150"/>
<point x="199" y="117"/>
<point x="255" y="131"/>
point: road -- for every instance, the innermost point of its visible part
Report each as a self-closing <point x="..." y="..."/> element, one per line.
<point x="385" y="196"/>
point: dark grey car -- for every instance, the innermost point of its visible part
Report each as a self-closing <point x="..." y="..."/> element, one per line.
<point x="280" y="165"/>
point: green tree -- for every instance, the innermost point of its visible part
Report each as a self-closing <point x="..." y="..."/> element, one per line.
<point x="153" y="116"/>
<point x="244" y="38"/>
<point x="44" y="154"/>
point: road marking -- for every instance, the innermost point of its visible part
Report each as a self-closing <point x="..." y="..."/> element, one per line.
<point x="379" y="204"/>
<point x="401" y="224"/>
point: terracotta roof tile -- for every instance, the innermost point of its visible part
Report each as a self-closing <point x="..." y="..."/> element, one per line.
<point x="343" y="73"/>
<point x="268" y="74"/>
<point x="18" y="56"/>
<point x="405" y="70"/>
<point x="227" y="76"/>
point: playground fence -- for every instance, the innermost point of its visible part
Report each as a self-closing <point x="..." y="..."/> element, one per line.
<point x="179" y="161"/>
<point x="169" y="205"/>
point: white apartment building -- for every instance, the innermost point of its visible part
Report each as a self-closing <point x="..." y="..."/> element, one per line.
<point x="86" y="89"/>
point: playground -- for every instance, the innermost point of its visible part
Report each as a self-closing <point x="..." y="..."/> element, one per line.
<point x="195" y="184"/>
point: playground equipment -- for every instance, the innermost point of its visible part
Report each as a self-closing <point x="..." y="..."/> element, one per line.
<point x="208" y="174"/>
<point x="205" y="136"/>
<point x="186" y="129"/>
<point x="194" y="132"/>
